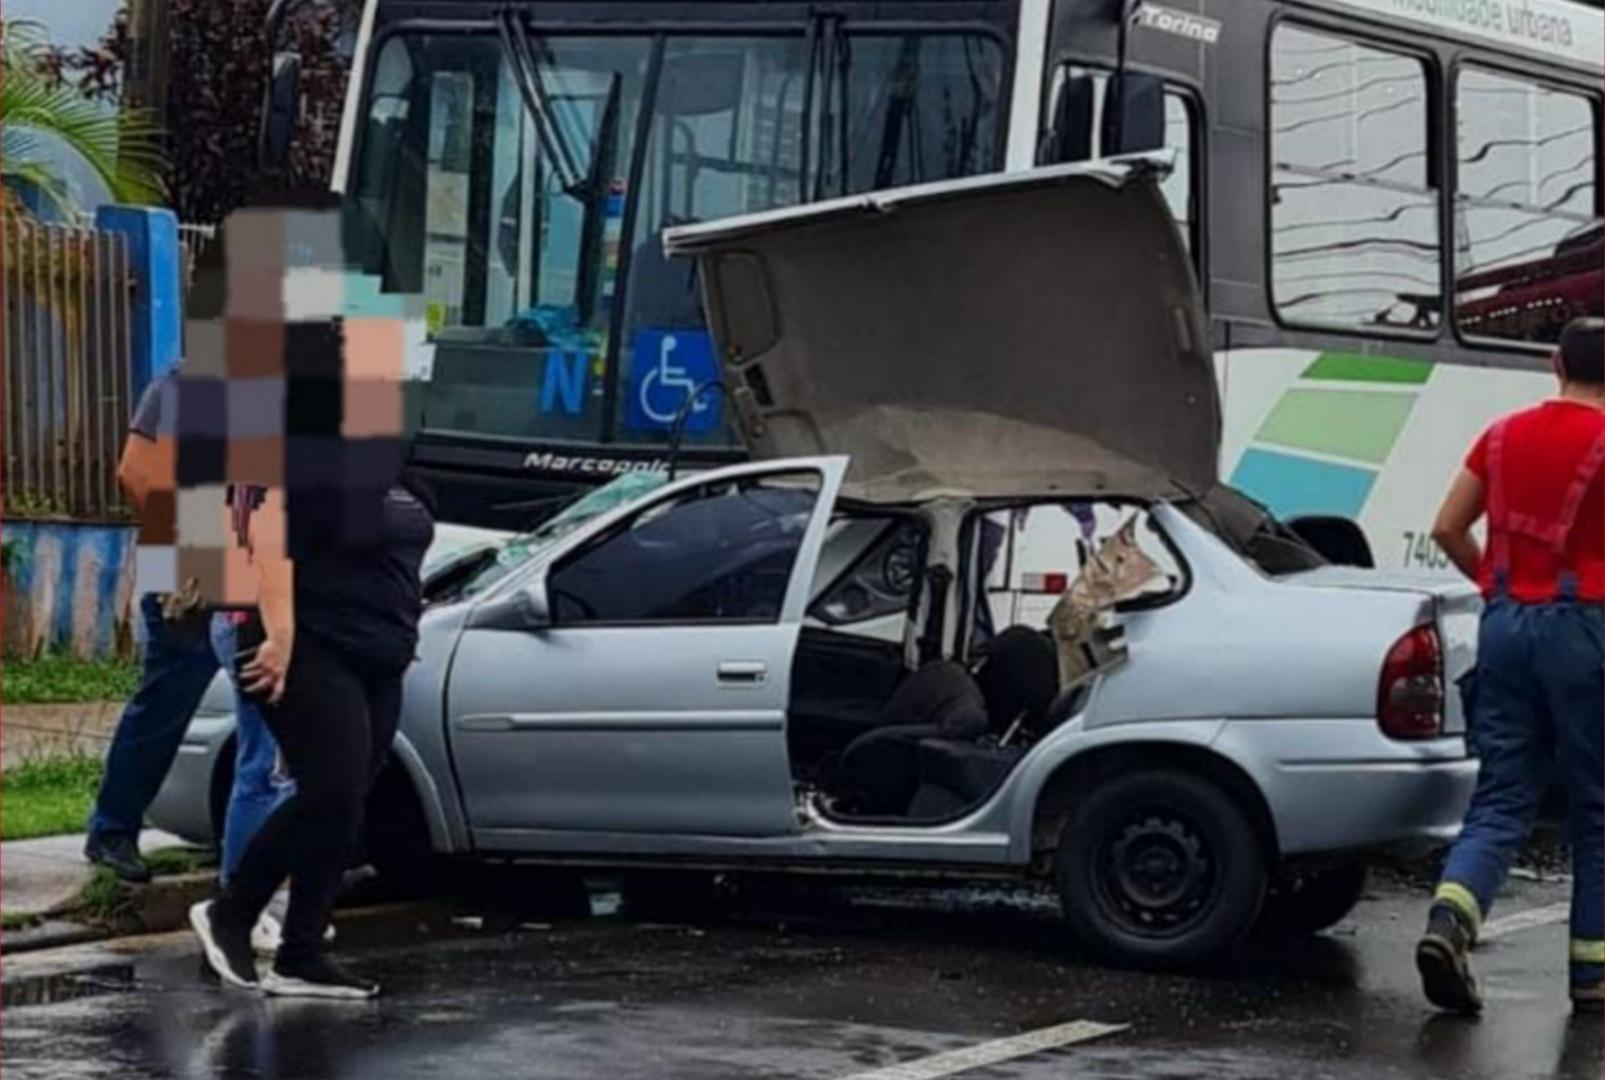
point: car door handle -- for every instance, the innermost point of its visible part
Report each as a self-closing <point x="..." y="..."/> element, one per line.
<point x="743" y="672"/>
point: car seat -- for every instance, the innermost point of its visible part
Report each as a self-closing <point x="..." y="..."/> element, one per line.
<point x="879" y="770"/>
<point x="1019" y="678"/>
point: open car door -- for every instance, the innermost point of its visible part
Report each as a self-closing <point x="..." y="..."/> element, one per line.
<point x="652" y="698"/>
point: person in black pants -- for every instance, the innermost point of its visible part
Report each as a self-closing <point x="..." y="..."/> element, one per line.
<point x="328" y="669"/>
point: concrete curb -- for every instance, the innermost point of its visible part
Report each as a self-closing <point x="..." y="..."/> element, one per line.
<point x="45" y="975"/>
<point x="158" y="907"/>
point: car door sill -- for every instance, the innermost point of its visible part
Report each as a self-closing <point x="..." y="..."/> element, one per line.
<point x="912" y="845"/>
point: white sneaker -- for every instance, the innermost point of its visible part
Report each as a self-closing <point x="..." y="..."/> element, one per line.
<point x="225" y="949"/>
<point x="268" y="933"/>
<point x="317" y="978"/>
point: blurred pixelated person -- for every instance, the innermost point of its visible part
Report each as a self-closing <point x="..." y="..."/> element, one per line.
<point x="333" y="541"/>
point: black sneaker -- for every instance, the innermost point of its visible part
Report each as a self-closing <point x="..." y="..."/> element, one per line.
<point x="227" y="948"/>
<point x="119" y="854"/>
<point x="1445" y="966"/>
<point x="317" y="978"/>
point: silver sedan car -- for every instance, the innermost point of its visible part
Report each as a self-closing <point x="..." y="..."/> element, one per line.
<point x="979" y="606"/>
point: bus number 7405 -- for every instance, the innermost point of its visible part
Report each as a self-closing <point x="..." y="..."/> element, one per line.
<point x="1420" y="549"/>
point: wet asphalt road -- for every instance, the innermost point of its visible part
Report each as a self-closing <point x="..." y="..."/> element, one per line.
<point x="894" y="977"/>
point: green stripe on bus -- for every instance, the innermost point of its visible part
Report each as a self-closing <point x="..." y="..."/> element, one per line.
<point x="1356" y="424"/>
<point x="1349" y="367"/>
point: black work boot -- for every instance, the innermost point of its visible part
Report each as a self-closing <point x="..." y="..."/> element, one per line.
<point x="1442" y="957"/>
<point x="119" y="854"/>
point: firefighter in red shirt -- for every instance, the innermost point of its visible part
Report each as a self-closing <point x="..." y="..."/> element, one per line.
<point x="1537" y="707"/>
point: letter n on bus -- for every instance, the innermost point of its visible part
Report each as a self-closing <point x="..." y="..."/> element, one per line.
<point x="563" y="385"/>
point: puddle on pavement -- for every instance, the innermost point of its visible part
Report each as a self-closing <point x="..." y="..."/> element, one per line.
<point x="68" y="986"/>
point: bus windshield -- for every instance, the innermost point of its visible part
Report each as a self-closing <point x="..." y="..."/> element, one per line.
<point x="517" y="181"/>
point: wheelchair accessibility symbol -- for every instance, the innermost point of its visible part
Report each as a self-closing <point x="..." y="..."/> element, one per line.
<point x="666" y="367"/>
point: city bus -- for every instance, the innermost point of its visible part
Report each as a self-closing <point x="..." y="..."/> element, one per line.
<point x="1393" y="207"/>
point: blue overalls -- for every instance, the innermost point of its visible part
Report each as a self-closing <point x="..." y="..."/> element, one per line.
<point x="1538" y="708"/>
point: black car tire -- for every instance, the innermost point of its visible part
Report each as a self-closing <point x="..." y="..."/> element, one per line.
<point x="1311" y="899"/>
<point x="1159" y="870"/>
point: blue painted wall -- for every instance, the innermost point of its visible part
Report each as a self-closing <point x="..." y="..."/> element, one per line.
<point x="156" y="323"/>
<point x="71" y="590"/>
<point x="73" y="585"/>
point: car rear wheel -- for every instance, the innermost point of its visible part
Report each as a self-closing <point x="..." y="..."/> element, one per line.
<point x="1308" y="900"/>
<point x="1159" y="870"/>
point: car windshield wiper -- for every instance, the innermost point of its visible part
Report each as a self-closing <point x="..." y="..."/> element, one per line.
<point x="540" y="511"/>
<point x="527" y="72"/>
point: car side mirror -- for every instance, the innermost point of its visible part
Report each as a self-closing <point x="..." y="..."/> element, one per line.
<point x="283" y="105"/>
<point x="524" y="609"/>
<point x="1339" y="540"/>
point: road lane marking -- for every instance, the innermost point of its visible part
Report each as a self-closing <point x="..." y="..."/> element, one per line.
<point x="994" y="1052"/>
<point x="1524" y="920"/>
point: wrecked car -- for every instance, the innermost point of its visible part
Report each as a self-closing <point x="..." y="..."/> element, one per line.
<point x="979" y="605"/>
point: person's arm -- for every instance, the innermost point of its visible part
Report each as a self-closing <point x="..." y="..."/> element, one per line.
<point x="140" y="469"/>
<point x="275" y="597"/>
<point x="148" y="463"/>
<point x="1461" y="509"/>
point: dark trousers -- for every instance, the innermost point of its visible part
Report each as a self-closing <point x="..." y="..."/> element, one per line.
<point x="334" y="726"/>
<point x="1539" y="711"/>
<point x="176" y="673"/>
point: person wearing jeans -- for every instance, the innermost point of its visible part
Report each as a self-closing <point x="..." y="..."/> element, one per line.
<point x="177" y="673"/>
<point x="258" y="786"/>
<point x="174" y="678"/>
<point x="178" y="666"/>
<point x="177" y="670"/>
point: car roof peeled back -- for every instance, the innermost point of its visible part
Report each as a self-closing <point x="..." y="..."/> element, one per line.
<point x="1019" y="334"/>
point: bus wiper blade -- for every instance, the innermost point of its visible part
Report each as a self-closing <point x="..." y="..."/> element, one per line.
<point x="527" y="69"/>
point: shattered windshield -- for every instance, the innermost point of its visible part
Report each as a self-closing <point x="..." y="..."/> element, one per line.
<point x="518" y="551"/>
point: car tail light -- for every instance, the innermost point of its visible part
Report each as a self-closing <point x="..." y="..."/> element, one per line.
<point x="1410" y="696"/>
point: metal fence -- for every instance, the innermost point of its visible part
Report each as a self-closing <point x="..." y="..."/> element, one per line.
<point x="66" y="347"/>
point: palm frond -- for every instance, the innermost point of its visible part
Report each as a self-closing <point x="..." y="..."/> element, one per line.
<point x="122" y="148"/>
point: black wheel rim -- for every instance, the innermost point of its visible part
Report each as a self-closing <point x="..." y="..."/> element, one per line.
<point x="1157" y="875"/>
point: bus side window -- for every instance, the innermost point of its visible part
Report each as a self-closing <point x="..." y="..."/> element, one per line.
<point x="1080" y="98"/>
<point x="1353" y="197"/>
<point x="1529" y="238"/>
